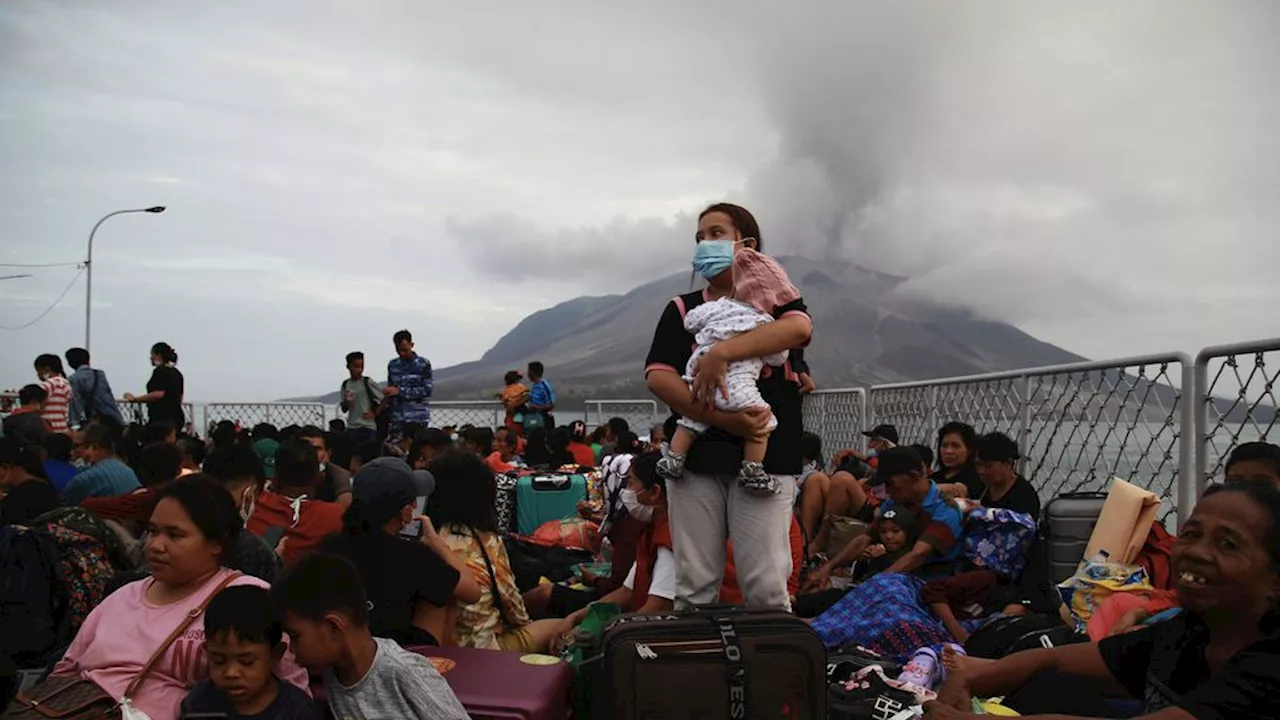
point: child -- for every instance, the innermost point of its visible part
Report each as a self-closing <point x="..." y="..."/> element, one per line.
<point x="759" y="286"/>
<point x="514" y="397"/>
<point x="897" y="533"/>
<point x="326" y="614"/>
<point x="242" y="643"/>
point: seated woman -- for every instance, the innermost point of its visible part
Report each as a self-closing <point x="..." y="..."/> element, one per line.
<point x="1219" y="658"/>
<point x="957" y="473"/>
<point x="462" y="507"/>
<point x="412" y="582"/>
<point x="193" y="528"/>
<point x="650" y="587"/>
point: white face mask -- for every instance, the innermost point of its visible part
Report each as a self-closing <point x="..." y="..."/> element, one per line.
<point x="639" y="511"/>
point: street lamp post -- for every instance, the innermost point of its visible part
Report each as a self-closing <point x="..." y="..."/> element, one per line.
<point x="88" y="265"/>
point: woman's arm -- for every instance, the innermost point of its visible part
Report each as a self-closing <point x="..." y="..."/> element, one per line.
<point x="670" y="388"/>
<point x="791" y="330"/>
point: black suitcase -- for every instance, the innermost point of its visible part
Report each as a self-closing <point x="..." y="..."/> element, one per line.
<point x="1071" y="518"/>
<point x="710" y="662"/>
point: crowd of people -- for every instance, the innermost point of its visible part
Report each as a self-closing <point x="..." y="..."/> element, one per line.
<point x="328" y="552"/>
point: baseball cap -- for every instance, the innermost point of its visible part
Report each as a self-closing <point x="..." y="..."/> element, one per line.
<point x="884" y="432"/>
<point x="896" y="461"/>
<point x="266" y="450"/>
<point x="384" y="486"/>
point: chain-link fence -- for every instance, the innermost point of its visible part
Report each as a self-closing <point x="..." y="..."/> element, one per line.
<point x="641" y="415"/>
<point x="1077" y="425"/>
<point x="1235" y="387"/>
<point x="481" y="413"/>
<point x="838" y="416"/>
<point x="918" y="409"/>
<point x="277" y="414"/>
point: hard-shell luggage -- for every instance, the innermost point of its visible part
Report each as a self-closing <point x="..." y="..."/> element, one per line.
<point x="714" y="662"/>
<point x="499" y="685"/>
<point x="547" y="496"/>
<point x="1071" y="518"/>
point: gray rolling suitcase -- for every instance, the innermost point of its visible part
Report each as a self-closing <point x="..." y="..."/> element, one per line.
<point x="1071" y="518"/>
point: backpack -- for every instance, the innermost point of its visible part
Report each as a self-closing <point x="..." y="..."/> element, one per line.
<point x="34" y="621"/>
<point x="89" y="553"/>
<point x="1155" y="557"/>
<point x="1006" y="635"/>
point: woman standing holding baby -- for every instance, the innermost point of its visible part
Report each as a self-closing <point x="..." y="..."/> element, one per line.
<point x="718" y="495"/>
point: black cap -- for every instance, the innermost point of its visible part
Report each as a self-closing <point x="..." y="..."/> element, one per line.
<point x="884" y="432"/>
<point x="903" y="518"/>
<point x="896" y="461"/>
<point x="384" y="486"/>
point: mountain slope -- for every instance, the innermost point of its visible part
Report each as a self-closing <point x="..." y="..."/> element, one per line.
<point x="864" y="332"/>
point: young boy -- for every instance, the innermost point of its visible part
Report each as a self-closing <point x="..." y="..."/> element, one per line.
<point x="326" y="614"/>
<point x="242" y="642"/>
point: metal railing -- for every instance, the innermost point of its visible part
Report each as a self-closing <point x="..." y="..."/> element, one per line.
<point x="640" y="415"/>
<point x="838" y="416"/>
<point x="481" y="413"/>
<point x="1236" y="401"/>
<point x="1077" y="425"/>
<point x="279" y="414"/>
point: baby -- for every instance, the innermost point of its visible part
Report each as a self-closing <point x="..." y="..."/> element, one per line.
<point x="760" y="285"/>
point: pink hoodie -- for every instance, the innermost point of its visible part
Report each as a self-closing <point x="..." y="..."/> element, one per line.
<point x="120" y="634"/>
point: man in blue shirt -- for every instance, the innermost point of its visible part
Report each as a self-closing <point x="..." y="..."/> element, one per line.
<point x="409" y="386"/>
<point x="91" y="395"/>
<point x="941" y="522"/>
<point x="106" y="475"/>
<point x="542" y="397"/>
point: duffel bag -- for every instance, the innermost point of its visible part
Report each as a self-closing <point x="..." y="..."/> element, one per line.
<point x="1007" y="635"/>
<point x="714" y="661"/>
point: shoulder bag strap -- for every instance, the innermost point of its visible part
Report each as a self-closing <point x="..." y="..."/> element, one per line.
<point x="191" y="616"/>
<point x="368" y="391"/>
<point x="493" y="582"/>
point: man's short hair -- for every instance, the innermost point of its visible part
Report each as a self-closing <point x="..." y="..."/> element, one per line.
<point x="157" y="463"/>
<point x="31" y="394"/>
<point x="536" y="368"/>
<point x="104" y="436"/>
<point x="1257" y="451"/>
<point x="354" y="356"/>
<point x="311" y="431"/>
<point x="235" y="463"/>
<point x="297" y="464"/>
<point x="77" y="357"/>
<point x="245" y="611"/>
<point x="402" y="336"/>
<point x="320" y="584"/>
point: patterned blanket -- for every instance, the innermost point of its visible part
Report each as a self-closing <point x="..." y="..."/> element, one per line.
<point x="885" y="614"/>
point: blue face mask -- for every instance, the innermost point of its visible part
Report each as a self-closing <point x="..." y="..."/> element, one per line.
<point x="712" y="257"/>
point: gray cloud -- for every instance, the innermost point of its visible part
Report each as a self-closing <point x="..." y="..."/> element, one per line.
<point x="1102" y="175"/>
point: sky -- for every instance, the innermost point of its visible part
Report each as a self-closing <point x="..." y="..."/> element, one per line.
<point x="1103" y="175"/>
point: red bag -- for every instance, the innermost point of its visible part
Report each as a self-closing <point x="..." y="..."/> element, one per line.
<point x="569" y="533"/>
<point x="1155" y="556"/>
